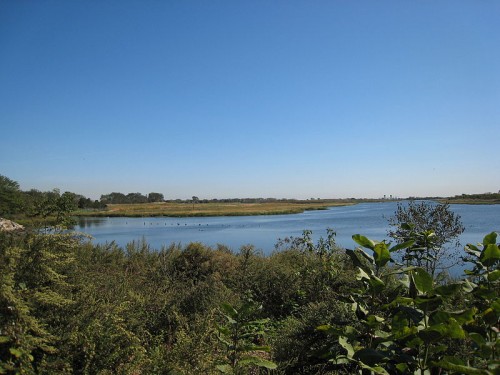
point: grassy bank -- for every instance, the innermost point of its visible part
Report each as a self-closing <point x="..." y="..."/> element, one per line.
<point x="175" y="209"/>
<point x="469" y="201"/>
<point x="486" y="198"/>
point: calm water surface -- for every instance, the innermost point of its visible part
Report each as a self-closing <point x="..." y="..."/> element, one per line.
<point x="369" y="219"/>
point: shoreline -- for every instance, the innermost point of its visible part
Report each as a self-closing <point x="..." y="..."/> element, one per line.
<point x="209" y="210"/>
<point x="235" y="209"/>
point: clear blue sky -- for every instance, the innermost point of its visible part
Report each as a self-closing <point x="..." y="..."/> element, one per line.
<point x="231" y="98"/>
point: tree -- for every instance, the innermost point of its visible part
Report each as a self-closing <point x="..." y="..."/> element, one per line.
<point x="195" y="200"/>
<point x="114" y="198"/>
<point x="136" y="198"/>
<point x="10" y="196"/>
<point x="52" y="207"/>
<point x="155" y="197"/>
<point x="432" y="226"/>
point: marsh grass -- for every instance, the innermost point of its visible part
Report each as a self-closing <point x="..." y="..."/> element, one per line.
<point x="175" y="209"/>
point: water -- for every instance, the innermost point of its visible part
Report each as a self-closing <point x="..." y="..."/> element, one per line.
<point x="368" y="219"/>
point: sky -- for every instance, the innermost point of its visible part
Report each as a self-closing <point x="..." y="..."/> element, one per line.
<point x="232" y="99"/>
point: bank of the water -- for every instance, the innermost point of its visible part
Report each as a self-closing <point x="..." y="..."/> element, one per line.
<point x="173" y="209"/>
<point x="478" y="202"/>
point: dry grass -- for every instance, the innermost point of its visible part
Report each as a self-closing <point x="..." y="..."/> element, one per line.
<point x="212" y="209"/>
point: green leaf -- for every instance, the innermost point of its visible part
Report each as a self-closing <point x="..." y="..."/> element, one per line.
<point x="252" y="347"/>
<point x="465" y="316"/>
<point x="329" y="330"/>
<point x="454" y="330"/>
<point x="229" y="310"/>
<point x="4" y="339"/>
<point x="347" y="346"/>
<point x="468" y="286"/>
<point x="375" y="369"/>
<point x="400" y="327"/>
<point x="362" y="274"/>
<point x="494" y="276"/>
<point x="423" y="281"/>
<point x="448" y="290"/>
<point x="355" y="257"/>
<point x="490" y="239"/>
<point x="381" y="254"/>
<point x="451" y="329"/>
<point x="373" y="321"/>
<point x="257" y="361"/>
<point x="15" y="352"/>
<point x="376" y="284"/>
<point x="490" y="316"/>
<point x="477" y="338"/>
<point x="496" y="305"/>
<point x="370" y="357"/>
<point x="402" y="367"/>
<point x="439" y="317"/>
<point x="428" y="303"/>
<point x="403" y="245"/>
<point x="223" y="330"/>
<point x="471" y="249"/>
<point x="432" y="334"/>
<point x="364" y="241"/>
<point x="460" y="369"/>
<point x="490" y="255"/>
<point x="225" y="369"/>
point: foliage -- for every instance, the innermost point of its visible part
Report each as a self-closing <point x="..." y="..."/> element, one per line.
<point x="242" y="336"/>
<point x="87" y="203"/>
<point x="10" y="196"/>
<point x="298" y="345"/>
<point x="34" y="294"/>
<point x="409" y="327"/>
<point x="155" y="197"/>
<point x="52" y="207"/>
<point x="432" y="227"/>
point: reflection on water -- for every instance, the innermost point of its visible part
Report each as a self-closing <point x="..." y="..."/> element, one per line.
<point x="88" y="222"/>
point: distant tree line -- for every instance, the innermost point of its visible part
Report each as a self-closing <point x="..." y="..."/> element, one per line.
<point x="15" y="202"/>
<point x="242" y="200"/>
<point x="120" y="198"/>
<point x="484" y="196"/>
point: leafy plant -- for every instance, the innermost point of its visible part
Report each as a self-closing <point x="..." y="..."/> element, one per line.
<point x="242" y="338"/>
<point x="483" y="286"/>
<point x="407" y="328"/>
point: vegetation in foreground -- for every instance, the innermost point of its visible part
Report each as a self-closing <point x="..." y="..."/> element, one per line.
<point x="70" y="307"/>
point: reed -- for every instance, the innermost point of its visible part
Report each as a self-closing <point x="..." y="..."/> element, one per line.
<point x="175" y="209"/>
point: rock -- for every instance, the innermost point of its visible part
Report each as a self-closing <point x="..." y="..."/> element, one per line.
<point x="9" y="226"/>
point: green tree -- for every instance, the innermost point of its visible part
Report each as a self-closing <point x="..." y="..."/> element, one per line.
<point x="155" y="197"/>
<point x="433" y="228"/>
<point x="52" y="207"/>
<point x="136" y="198"/>
<point x="10" y="196"/>
<point x="114" y="198"/>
